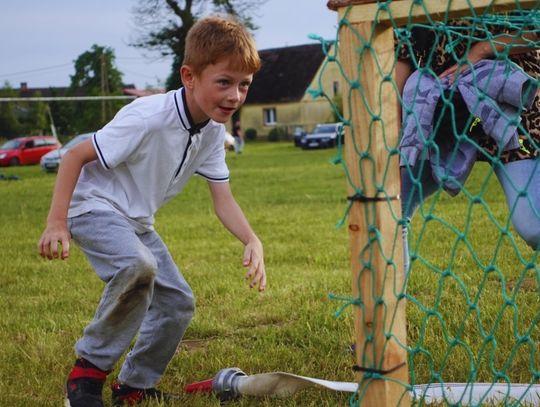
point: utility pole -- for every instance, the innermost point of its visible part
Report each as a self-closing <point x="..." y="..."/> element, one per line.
<point x="105" y="105"/>
<point x="53" y="127"/>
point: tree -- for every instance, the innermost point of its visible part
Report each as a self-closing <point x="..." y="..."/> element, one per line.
<point x="9" y="122"/>
<point x="34" y="120"/>
<point x="163" y="25"/>
<point x="64" y="116"/>
<point x="95" y="75"/>
<point x="22" y="118"/>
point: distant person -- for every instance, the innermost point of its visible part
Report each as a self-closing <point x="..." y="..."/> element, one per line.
<point x="107" y="192"/>
<point x="238" y="135"/>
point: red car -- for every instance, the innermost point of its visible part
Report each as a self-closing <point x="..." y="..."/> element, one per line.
<point x="27" y="150"/>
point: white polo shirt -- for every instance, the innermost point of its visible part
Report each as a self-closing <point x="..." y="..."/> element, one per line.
<point x="146" y="154"/>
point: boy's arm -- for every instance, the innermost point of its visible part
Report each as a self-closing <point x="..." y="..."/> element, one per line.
<point x="487" y="49"/>
<point x="56" y="231"/>
<point x="229" y="213"/>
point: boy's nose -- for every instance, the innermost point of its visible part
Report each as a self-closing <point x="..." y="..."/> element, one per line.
<point x="234" y="95"/>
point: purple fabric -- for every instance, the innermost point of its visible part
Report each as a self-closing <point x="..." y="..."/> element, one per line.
<point x="496" y="92"/>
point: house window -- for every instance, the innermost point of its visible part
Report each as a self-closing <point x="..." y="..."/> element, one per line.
<point x="336" y="87"/>
<point x="270" y="118"/>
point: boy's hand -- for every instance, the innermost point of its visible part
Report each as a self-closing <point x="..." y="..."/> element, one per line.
<point x="477" y="52"/>
<point x="55" y="235"/>
<point x="253" y="258"/>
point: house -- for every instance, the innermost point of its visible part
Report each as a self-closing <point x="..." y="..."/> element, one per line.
<point x="279" y="95"/>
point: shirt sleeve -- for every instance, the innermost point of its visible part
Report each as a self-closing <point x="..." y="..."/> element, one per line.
<point x="215" y="168"/>
<point x="120" y="139"/>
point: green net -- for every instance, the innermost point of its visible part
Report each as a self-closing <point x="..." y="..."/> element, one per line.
<point x="470" y="194"/>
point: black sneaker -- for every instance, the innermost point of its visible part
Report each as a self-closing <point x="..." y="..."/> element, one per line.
<point x="84" y="385"/>
<point x="122" y="395"/>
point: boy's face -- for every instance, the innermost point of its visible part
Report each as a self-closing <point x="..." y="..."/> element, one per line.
<point x="217" y="92"/>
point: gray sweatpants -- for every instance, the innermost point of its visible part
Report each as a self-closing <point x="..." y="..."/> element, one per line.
<point x="145" y="293"/>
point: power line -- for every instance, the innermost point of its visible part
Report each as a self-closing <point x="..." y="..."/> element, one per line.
<point x="60" y="98"/>
<point x="64" y="65"/>
<point x="50" y="69"/>
<point x="37" y="70"/>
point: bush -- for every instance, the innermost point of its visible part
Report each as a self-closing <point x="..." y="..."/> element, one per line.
<point x="251" y="134"/>
<point x="278" y="133"/>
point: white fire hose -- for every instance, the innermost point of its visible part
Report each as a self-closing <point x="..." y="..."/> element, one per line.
<point x="232" y="383"/>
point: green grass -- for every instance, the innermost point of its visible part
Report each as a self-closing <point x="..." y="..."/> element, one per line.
<point x="293" y="199"/>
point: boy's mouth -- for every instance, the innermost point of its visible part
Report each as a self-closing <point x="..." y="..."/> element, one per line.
<point x="227" y="109"/>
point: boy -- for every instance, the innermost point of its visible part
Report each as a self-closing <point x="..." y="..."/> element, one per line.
<point x="107" y="191"/>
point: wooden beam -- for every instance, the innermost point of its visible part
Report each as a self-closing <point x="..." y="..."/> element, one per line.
<point x="375" y="234"/>
<point x="401" y="12"/>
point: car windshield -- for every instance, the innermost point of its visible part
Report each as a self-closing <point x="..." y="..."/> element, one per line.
<point x="11" y="144"/>
<point x="325" y="129"/>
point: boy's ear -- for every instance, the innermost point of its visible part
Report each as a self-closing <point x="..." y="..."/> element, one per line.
<point x="186" y="76"/>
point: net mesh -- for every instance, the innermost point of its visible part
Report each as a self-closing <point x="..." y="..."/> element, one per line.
<point x="472" y="281"/>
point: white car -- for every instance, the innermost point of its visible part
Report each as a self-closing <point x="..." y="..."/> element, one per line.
<point x="51" y="161"/>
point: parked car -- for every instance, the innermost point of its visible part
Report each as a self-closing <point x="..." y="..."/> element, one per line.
<point x="26" y="150"/>
<point x="324" y="135"/>
<point x="51" y="161"/>
<point x="298" y="135"/>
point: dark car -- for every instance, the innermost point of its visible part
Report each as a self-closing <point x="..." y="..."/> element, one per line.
<point x="51" y="161"/>
<point x="323" y="136"/>
<point x="26" y="150"/>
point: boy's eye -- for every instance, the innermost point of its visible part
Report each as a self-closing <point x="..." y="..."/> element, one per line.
<point x="223" y="82"/>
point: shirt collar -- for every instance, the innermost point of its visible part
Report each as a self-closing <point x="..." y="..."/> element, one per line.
<point x="185" y="116"/>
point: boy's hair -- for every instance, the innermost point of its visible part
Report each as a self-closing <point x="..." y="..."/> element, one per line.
<point x="213" y="38"/>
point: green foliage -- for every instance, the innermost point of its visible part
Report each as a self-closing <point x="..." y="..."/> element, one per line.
<point x="251" y="134"/>
<point x="22" y="118"/>
<point x="64" y="117"/>
<point x="10" y="126"/>
<point x="95" y="75"/>
<point x="38" y="117"/>
<point x="173" y="80"/>
<point x="277" y="134"/>
<point x="95" y="70"/>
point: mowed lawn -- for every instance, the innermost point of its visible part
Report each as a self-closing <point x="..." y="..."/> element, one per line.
<point x="473" y="290"/>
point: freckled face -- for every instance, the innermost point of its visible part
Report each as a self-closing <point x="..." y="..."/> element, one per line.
<point x="217" y="92"/>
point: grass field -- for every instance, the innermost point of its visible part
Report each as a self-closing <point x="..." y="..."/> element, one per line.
<point x="459" y="322"/>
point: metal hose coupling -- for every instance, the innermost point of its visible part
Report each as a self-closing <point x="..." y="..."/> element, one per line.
<point x="225" y="383"/>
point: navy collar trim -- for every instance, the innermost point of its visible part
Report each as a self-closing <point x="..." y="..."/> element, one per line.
<point x="185" y="116"/>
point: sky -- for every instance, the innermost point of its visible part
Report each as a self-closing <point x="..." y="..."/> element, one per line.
<point x="41" y="39"/>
